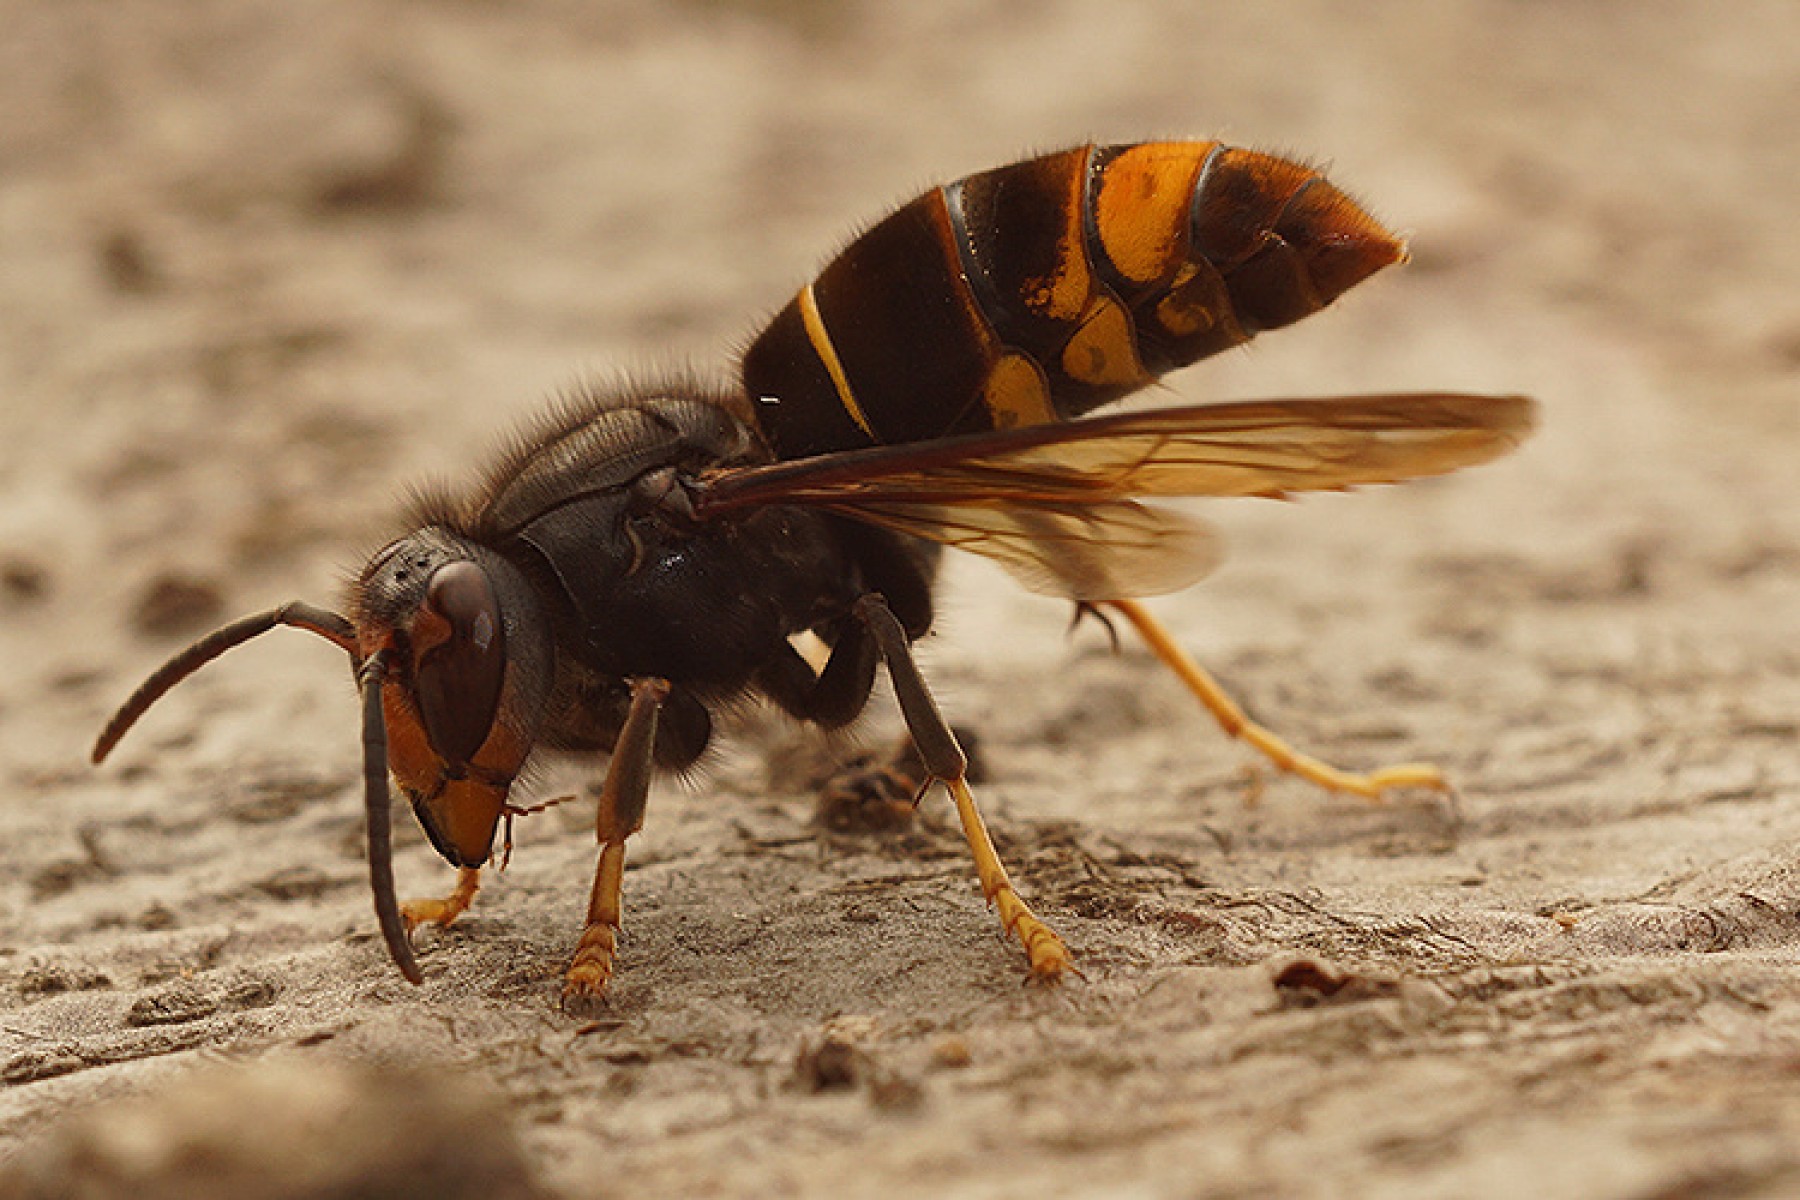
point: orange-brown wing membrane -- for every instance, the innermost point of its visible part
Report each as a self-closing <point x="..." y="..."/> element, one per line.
<point x="1276" y="447"/>
<point x="1053" y="503"/>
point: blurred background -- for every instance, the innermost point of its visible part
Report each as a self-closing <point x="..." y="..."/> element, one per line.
<point x="263" y="265"/>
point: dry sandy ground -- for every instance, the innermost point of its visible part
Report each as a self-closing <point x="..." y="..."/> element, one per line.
<point x="263" y="264"/>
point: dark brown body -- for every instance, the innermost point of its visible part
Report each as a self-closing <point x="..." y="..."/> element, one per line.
<point x="607" y="576"/>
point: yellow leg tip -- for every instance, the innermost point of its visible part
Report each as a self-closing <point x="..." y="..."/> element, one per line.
<point x="1410" y="776"/>
<point x="434" y="911"/>
<point x="430" y="911"/>
<point x="1049" y="958"/>
<point x="586" y="981"/>
<point x="591" y="969"/>
<point x="1377" y="784"/>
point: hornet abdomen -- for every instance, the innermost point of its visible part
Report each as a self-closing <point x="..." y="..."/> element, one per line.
<point x="1037" y="291"/>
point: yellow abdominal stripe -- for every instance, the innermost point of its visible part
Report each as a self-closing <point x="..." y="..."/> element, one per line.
<point x="821" y="342"/>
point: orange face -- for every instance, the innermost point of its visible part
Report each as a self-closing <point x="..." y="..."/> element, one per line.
<point x="467" y="671"/>
<point x="449" y="746"/>
<point x="460" y="814"/>
<point x="459" y="805"/>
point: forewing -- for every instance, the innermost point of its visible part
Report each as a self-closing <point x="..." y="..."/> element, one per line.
<point x="1055" y="503"/>
<point x="1264" y="448"/>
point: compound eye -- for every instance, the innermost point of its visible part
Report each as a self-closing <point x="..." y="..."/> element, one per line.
<point x="462" y="660"/>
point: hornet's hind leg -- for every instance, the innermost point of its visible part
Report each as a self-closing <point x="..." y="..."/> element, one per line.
<point x="1372" y="786"/>
<point x="945" y="760"/>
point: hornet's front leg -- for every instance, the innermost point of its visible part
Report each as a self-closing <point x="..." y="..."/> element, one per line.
<point x="433" y="911"/>
<point x="944" y="760"/>
<point x="621" y="814"/>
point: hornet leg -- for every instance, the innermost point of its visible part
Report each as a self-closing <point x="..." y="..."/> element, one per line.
<point x="621" y="814"/>
<point x="944" y="759"/>
<point x="1234" y="722"/>
<point x="442" y="912"/>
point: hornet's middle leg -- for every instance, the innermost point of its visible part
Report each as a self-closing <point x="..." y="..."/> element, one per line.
<point x="944" y="759"/>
